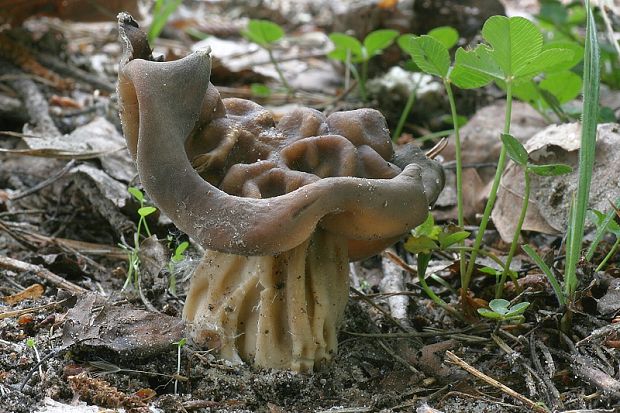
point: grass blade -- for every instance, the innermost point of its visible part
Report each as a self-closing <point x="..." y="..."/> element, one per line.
<point x="591" y="83"/>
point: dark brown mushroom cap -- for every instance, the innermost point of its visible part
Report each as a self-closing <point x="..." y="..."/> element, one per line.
<point x="227" y="175"/>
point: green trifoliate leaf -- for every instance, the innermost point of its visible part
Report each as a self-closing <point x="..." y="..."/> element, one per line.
<point x="499" y="305"/>
<point x="378" y="40"/>
<point x="446" y="35"/>
<point x="515" y="42"/>
<point x="517" y="309"/>
<point x="345" y="45"/>
<point x="428" y="53"/>
<point x="486" y="313"/>
<point x="474" y="68"/>
<point x="263" y="32"/>
<point x="515" y="149"/>
<point x="550" y="170"/>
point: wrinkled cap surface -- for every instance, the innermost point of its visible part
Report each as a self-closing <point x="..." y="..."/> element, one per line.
<point x="238" y="182"/>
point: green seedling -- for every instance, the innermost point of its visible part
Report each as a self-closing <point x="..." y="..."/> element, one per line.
<point x="517" y="152"/>
<point x="445" y="35"/>
<point x="606" y="225"/>
<point x="133" y="257"/>
<point x="431" y="54"/>
<point x="501" y="310"/>
<point x="161" y="13"/>
<point x="513" y="53"/>
<point x="177" y="257"/>
<point x="266" y="34"/>
<point x="351" y="51"/>
<point x="31" y="343"/>
<point x="557" y="288"/>
<point x="601" y="230"/>
<point x="260" y="90"/>
<point x="426" y="239"/>
<point x="179" y="345"/>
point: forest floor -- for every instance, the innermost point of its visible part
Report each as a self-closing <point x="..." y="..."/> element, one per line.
<point x="75" y="338"/>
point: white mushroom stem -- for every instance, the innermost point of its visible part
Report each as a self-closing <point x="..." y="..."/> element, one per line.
<point x="279" y="311"/>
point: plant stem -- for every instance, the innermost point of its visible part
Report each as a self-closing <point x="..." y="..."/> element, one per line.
<point x="492" y="196"/>
<point x="459" y="170"/>
<point x="288" y="87"/>
<point x="423" y="260"/>
<point x="610" y="254"/>
<point x="406" y="110"/>
<point x="360" y="84"/>
<point x="515" y="238"/>
<point x="363" y="79"/>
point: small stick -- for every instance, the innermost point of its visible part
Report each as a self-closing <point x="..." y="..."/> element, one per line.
<point x="44" y="183"/>
<point x="477" y="373"/>
<point x="16" y="265"/>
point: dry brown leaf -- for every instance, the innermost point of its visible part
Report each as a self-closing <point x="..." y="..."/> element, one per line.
<point x="31" y="293"/>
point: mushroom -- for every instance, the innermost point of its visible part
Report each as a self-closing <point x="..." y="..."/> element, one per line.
<point x="280" y="208"/>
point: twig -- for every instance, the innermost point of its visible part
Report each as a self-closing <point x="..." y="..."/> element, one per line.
<point x="399" y="358"/>
<point x="17" y="313"/>
<point x="56" y="280"/>
<point x="381" y="310"/>
<point x="44" y="183"/>
<point x="453" y="358"/>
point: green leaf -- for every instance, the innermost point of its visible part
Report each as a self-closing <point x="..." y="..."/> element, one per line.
<point x="565" y="85"/>
<point x="178" y="252"/>
<point x="263" y="32"/>
<point x="526" y="90"/>
<point x="260" y="90"/>
<point x="575" y="47"/>
<point x="428" y="53"/>
<point x="421" y="244"/>
<point x="553" y="11"/>
<point x="162" y="12"/>
<point x="136" y="193"/>
<point x="547" y="60"/>
<point x="485" y="312"/>
<point x="448" y="239"/>
<point x="515" y="149"/>
<point x="518" y="319"/>
<point x="499" y="305"/>
<point x="550" y="170"/>
<point x="343" y="43"/>
<point x="378" y="40"/>
<point x="557" y="289"/>
<point x="603" y="222"/>
<point x="474" y="68"/>
<point x="515" y="42"/>
<point x="146" y="211"/>
<point x="490" y="271"/>
<point x="446" y="35"/>
<point x="517" y="309"/>
<point x="427" y="228"/>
